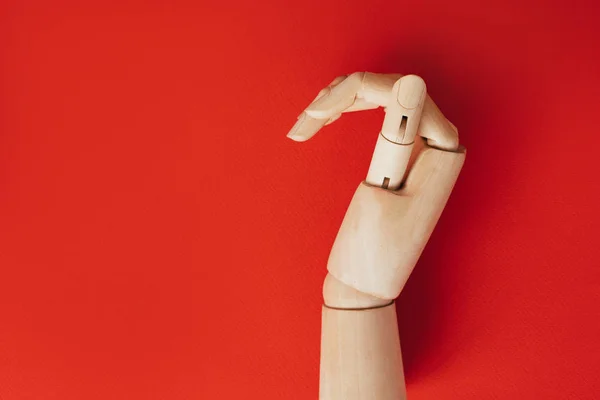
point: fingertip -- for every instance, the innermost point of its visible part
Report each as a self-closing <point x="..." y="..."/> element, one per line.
<point x="305" y="128"/>
<point x="298" y="139"/>
<point x="296" y="132"/>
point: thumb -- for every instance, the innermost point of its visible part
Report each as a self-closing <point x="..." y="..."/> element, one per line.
<point x="429" y="184"/>
<point x="434" y="174"/>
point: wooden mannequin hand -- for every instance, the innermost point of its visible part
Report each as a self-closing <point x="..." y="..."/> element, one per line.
<point x="385" y="231"/>
<point x="386" y="227"/>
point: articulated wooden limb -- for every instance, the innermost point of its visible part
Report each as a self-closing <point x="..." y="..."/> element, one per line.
<point x="360" y="355"/>
<point x="386" y="227"/>
<point x="384" y="232"/>
<point x="377" y="247"/>
<point x="360" y="346"/>
<point x="337" y="294"/>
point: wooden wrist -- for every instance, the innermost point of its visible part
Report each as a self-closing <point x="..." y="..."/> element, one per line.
<point x="360" y="355"/>
<point x="337" y="294"/>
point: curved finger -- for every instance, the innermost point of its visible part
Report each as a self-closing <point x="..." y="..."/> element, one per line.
<point x="435" y="127"/>
<point x="360" y="91"/>
<point x="365" y="91"/>
<point x="433" y="175"/>
<point x="307" y="126"/>
<point x="403" y="113"/>
<point x="361" y="105"/>
<point x="357" y="92"/>
<point x="327" y="90"/>
<point x="340" y="98"/>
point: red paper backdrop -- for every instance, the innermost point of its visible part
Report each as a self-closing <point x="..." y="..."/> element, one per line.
<point x="160" y="238"/>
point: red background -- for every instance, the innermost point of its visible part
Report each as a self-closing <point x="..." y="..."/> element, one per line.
<point x="160" y="238"/>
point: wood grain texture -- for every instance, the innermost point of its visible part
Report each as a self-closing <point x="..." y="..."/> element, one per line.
<point x="360" y="355"/>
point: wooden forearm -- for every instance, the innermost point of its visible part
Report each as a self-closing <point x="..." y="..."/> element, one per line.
<point x="360" y="346"/>
<point x="360" y="355"/>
